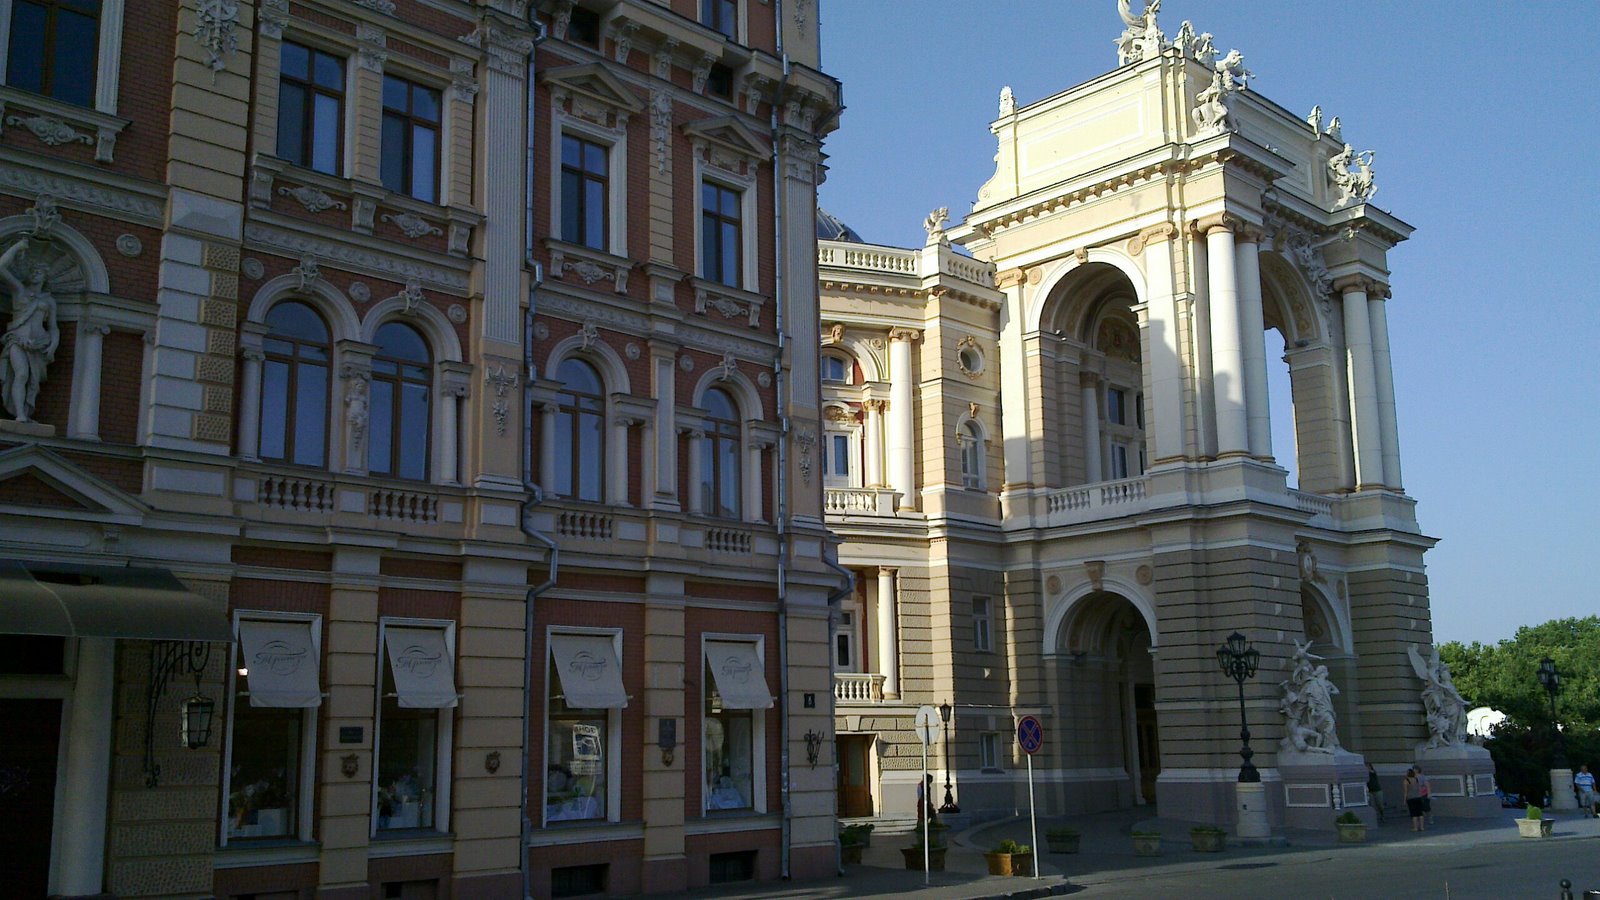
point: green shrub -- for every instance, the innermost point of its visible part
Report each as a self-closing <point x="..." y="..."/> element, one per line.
<point x="1349" y="818"/>
<point x="1535" y="813"/>
<point x="1012" y="847"/>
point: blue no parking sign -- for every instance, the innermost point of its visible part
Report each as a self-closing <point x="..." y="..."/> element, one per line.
<point x="1030" y="734"/>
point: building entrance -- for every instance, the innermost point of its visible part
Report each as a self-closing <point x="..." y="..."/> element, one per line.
<point x="27" y="793"/>
<point x="855" y="777"/>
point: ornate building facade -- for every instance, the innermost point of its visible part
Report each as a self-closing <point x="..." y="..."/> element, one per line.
<point x="1052" y="467"/>
<point x="407" y="480"/>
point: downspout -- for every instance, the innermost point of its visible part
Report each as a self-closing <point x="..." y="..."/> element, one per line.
<point x="780" y="495"/>
<point x="533" y="494"/>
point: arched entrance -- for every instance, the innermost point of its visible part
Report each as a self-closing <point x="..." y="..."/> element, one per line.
<point x="1106" y="695"/>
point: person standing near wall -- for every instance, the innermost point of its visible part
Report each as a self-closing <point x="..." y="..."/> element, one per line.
<point x="1583" y="783"/>
<point x="1375" y="791"/>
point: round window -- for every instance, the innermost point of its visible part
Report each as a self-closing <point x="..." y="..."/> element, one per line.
<point x="970" y="359"/>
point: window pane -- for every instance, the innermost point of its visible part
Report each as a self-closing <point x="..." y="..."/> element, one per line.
<point x="294" y="61"/>
<point x="424" y="103"/>
<point x="730" y="203"/>
<point x="392" y="153"/>
<point x="413" y="431"/>
<point x="274" y="408"/>
<point x="291" y="122"/>
<point x="728" y="495"/>
<point x="590" y="457"/>
<point x="406" y="765"/>
<point x="575" y="769"/>
<point x="325" y="134"/>
<point x="394" y="93"/>
<point x="424" y="181"/>
<point x="397" y="341"/>
<point x="594" y="159"/>
<point x="25" y="60"/>
<point x="380" y="438"/>
<point x="77" y="52"/>
<point x="708" y="197"/>
<point x="310" y="414"/>
<point x="594" y="205"/>
<point x="297" y="320"/>
<point x="571" y="207"/>
<point x="730" y="254"/>
<point x="329" y="71"/>
<point x="841" y="455"/>
<point x="709" y="265"/>
<point x="564" y="479"/>
<point x="571" y="152"/>
<point x="264" y="781"/>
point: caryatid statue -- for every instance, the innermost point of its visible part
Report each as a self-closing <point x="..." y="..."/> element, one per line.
<point x="31" y="336"/>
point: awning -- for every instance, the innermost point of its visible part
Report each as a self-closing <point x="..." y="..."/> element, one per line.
<point x="740" y="681"/>
<point x="281" y="664"/>
<point x="591" y="677"/>
<point x="424" y="674"/>
<point x="106" y="601"/>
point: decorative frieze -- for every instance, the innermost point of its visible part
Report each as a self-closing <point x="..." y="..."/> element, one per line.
<point x="588" y="266"/>
<point x="351" y="255"/>
<point x="411" y="225"/>
<point x="730" y="303"/>
<point x="314" y="199"/>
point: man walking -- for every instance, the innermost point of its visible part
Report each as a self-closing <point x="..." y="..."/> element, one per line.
<point x="1583" y="783"/>
<point x="1375" y="791"/>
<point x="1426" y="793"/>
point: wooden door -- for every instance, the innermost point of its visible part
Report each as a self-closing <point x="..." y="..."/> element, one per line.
<point x="855" y="786"/>
<point x="32" y="730"/>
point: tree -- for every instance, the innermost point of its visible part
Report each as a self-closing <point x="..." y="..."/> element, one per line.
<point x="1505" y="676"/>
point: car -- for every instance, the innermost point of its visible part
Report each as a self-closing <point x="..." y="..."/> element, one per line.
<point x="1511" y="801"/>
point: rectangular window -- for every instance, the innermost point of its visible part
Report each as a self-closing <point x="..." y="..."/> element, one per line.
<point x="585" y="192"/>
<point x="55" y="48"/>
<point x="1116" y="406"/>
<point x="837" y="460"/>
<point x="844" y="657"/>
<point x="735" y="692"/>
<point x="721" y="236"/>
<point x="721" y="15"/>
<point x="1119" y="460"/>
<point x="311" y="108"/>
<point x="585" y="686"/>
<point x="410" y="163"/>
<point x="989" y="752"/>
<point x="275" y="685"/>
<point x="719" y="82"/>
<point x="418" y="684"/>
<point x="982" y="625"/>
<point x="584" y="27"/>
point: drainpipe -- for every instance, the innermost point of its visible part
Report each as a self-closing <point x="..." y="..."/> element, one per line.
<point x="533" y="494"/>
<point x="781" y="494"/>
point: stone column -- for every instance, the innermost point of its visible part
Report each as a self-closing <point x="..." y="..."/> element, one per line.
<point x="250" y="350"/>
<point x="80" y="859"/>
<point x="547" y="447"/>
<point x="1163" y="349"/>
<point x="1383" y="369"/>
<point x="888" y="636"/>
<point x="84" y="418"/>
<point x="697" y="452"/>
<point x="1363" y="384"/>
<point x="1227" y="353"/>
<point x="663" y="374"/>
<point x="1093" y="468"/>
<point x="1205" y="418"/>
<point x="647" y="468"/>
<point x="873" y="439"/>
<point x="902" y="434"/>
<point x="455" y="381"/>
<point x="1252" y="340"/>
<point x="502" y="154"/>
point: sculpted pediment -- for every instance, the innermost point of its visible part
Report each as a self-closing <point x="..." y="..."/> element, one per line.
<point x="588" y="91"/>
<point x="727" y="143"/>
<point x="44" y="483"/>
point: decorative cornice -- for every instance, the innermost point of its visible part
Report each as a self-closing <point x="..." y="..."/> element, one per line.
<point x="296" y="241"/>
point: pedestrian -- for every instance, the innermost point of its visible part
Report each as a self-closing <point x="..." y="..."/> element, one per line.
<point x="924" y="811"/>
<point x="1583" y="783"/>
<point x="1427" y="794"/>
<point x="1413" y="793"/>
<point x="1375" y="791"/>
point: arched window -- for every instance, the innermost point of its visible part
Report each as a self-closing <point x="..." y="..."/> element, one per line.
<point x="719" y="465"/>
<point x="294" y="386"/>
<point x="970" y="440"/>
<point x="402" y="380"/>
<point x="580" y="432"/>
<point x="835" y="369"/>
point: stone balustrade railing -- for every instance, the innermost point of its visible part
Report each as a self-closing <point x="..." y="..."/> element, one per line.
<point x="1107" y="499"/>
<point x="727" y="540"/>
<point x="873" y="259"/>
<point x="854" y="687"/>
<point x="403" y="506"/>
<point x="859" y="501"/>
<point x="585" y="525"/>
<point x="294" y="493"/>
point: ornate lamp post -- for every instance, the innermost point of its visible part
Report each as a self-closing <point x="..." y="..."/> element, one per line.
<point x="945" y="709"/>
<point x="1239" y="660"/>
<point x="1550" y="677"/>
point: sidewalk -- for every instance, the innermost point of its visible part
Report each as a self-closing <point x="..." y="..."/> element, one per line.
<point x="1106" y="856"/>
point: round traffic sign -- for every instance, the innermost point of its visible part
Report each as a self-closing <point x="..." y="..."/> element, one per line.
<point x="1030" y="734"/>
<point x="927" y="724"/>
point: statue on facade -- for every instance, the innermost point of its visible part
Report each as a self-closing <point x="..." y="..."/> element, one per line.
<point x="1211" y="111"/>
<point x="1142" y="39"/>
<point x="1307" y="705"/>
<point x="1315" y="119"/>
<point x="1444" y="706"/>
<point x="31" y="337"/>
<point x="1354" y="186"/>
<point x="1205" y="52"/>
<point x="1335" y="130"/>
<point x="934" y="226"/>
<point x="1185" y="38"/>
<point x="1008" y="101"/>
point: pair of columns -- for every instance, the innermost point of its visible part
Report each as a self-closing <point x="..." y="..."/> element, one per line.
<point x="1376" y="434"/>
<point x="1238" y="338"/>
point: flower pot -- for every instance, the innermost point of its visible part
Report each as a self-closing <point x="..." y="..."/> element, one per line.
<point x="999" y="863"/>
<point x="1022" y="864"/>
<point x="1208" y="841"/>
<point x="913" y="857"/>
<point x="1060" y="844"/>
<point x="850" y="854"/>
<point x="1147" y="845"/>
<point x="1352" y="832"/>
<point x="1535" y="828"/>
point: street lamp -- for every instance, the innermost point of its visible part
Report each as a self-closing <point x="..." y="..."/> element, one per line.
<point x="1550" y="677"/>
<point x="945" y="709"/>
<point x="1239" y="660"/>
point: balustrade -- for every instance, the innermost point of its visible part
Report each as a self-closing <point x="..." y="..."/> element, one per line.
<point x="855" y="687"/>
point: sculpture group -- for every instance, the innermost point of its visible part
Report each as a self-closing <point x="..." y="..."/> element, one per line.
<point x="1307" y="705"/>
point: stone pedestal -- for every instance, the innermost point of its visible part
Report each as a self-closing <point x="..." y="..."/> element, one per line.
<point x="1254" y="824"/>
<point x="1461" y="781"/>
<point x="39" y="429"/>
<point x="1319" y="787"/>
<point x="1561" y="795"/>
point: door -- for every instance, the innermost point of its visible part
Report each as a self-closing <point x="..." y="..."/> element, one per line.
<point x="855" y="787"/>
<point x="846" y="647"/>
<point x="1144" y="711"/>
<point x="27" y="793"/>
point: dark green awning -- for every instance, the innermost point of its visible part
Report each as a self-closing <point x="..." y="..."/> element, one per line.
<point x="105" y="601"/>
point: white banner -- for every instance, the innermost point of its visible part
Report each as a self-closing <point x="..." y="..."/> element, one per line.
<point x="424" y="674"/>
<point x="280" y="662"/>
<point x="737" y="671"/>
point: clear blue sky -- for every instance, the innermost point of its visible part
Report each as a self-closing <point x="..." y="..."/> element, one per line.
<point x="1485" y="119"/>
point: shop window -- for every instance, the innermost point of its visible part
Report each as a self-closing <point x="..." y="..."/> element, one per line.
<point x="270" y="740"/>
<point x="732" y="747"/>
<point x="418" y="685"/>
<point x="585" y="690"/>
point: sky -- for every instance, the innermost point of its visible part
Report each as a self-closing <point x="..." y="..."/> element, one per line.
<point x="1485" y="120"/>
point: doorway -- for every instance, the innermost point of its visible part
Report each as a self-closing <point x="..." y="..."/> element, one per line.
<point x="1148" y="737"/>
<point x="27" y="793"/>
<point x="855" y="776"/>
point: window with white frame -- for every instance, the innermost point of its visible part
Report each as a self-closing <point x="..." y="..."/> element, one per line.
<point x="1119" y="460"/>
<point x="585" y="192"/>
<point x="969" y="440"/>
<point x="835" y="369"/>
<point x="721" y="15"/>
<point x="53" y="48"/>
<point x="295" y="386"/>
<point x="585" y="693"/>
<point x="720" y="472"/>
<point x="733" y="719"/>
<point x="580" y="432"/>
<point x="721" y="234"/>
<point x="982" y="624"/>
<point x="416" y="691"/>
<point x="845" y="641"/>
<point x="411" y="146"/>
<point x="401" y="394"/>
<point x="989" y="751"/>
<point x="838" y="459"/>
<point x="271" y="741"/>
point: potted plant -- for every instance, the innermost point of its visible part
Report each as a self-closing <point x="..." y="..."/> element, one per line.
<point x="850" y="846"/>
<point x="1010" y="858"/>
<point x="1535" y="825"/>
<point x="1208" y="838"/>
<point x="1147" y="843"/>
<point x="1351" y="829"/>
<point x="913" y="855"/>
<point x="936" y="830"/>
<point x="1061" y="840"/>
<point x="862" y="832"/>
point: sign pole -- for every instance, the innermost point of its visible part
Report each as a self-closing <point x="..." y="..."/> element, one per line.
<point x="1030" y="737"/>
<point x="927" y="824"/>
<point x="1033" y="820"/>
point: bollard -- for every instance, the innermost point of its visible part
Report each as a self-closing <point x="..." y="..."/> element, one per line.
<point x="1566" y="889"/>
